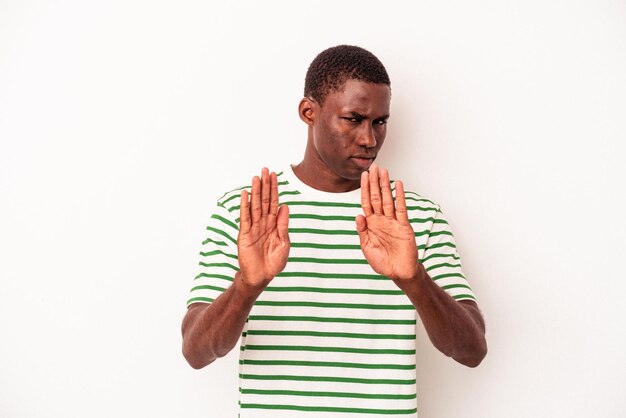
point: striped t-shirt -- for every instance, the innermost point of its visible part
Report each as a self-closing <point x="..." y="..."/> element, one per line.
<point x="329" y="336"/>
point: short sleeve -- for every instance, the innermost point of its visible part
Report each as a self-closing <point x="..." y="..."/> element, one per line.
<point x="442" y="261"/>
<point x="218" y="257"/>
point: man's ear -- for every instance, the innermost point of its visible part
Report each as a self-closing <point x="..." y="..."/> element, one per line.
<point x="306" y="110"/>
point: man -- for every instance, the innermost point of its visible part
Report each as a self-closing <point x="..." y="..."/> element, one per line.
<point x="325" y="289"/>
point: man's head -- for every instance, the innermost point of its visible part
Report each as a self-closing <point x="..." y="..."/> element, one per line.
<point x="334" y="66"/>
<point x="346" y="106"/>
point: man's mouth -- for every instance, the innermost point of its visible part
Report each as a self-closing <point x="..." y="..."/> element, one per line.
<point x="363" y="161"/>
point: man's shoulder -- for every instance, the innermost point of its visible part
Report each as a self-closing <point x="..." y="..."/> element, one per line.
<point x="417" y="201"/>
<point x="230" y="200"/>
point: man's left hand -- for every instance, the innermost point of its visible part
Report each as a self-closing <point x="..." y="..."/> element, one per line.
<point x="387" y="239"/>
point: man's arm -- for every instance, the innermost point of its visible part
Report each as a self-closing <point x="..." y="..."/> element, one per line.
<point x="455" y="328"/>
<point x="211" y="331"/>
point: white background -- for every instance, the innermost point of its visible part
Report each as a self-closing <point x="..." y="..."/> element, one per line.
<point x="122" y="122"/>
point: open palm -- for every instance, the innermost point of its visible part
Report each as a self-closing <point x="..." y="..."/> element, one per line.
<point x="263" y="241"/>
<point x="387" y="239"/>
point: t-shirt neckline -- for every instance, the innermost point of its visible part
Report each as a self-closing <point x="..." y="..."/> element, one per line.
<point x="303" y="188"/>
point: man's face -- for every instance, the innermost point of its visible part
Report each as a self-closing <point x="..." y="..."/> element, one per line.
<point x="350" y="127"/>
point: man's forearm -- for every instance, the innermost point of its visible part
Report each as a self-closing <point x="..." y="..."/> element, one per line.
<point x="211" y="331"/>
<point x="455" y="328"/>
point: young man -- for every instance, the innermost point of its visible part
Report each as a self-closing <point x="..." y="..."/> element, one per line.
<point x="325" y="288"/>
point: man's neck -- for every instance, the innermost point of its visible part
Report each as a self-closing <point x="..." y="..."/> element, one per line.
<point x="321" y="178"/>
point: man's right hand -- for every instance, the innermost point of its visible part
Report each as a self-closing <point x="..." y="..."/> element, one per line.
<point x="263" y="241"/>
<point x="212" y="330"/>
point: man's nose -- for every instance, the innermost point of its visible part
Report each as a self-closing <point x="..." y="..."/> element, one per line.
<point x="367" y="137"/>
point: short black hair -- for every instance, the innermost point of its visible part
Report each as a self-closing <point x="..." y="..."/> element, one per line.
<point x="332" y="67"/>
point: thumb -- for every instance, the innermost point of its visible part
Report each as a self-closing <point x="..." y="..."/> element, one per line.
<point x="282" y="222"/>
<point x="361" y="227"/>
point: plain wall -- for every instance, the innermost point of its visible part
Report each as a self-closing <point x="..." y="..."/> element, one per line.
<point x="122" y="122"/>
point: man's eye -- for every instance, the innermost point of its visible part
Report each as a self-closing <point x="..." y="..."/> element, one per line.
<point x="380" y="122"/>
<point x="353" y="119"/>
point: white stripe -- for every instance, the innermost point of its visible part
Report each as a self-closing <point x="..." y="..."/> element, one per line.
<point x="323" y="356"/>
<point x="333" y="327"/>
<point x="341" y="402"/>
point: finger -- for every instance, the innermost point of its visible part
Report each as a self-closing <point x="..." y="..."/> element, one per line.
<point x="265" y="191"/>
<point x="244" y="213"/>
<point x="282" y="223"/>
<point x="401" y="212"/>
<point x="273" y="194"/>
<point x="361" y="229"/>
<point x="375" y="198"/>
<point x="361" y="224"/>
<point x="255" y="200"/>
<point x="365" y="194"/>
<point x="388" y="207"/>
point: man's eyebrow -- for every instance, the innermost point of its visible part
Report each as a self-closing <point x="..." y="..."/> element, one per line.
<point x="358" y="115"/>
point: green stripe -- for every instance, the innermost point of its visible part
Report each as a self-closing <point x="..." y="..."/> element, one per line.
<point x="220" y="243"/>
<point x="288" y="192"/>
<point x="421" y="220"/>
<point x="215" y="276"/>
<point x="331" y="275"/>
<point x="423" y="209"/>
<point x="199" y="299"/>
<point x="325" y="319"/>
<point x="334" y="305"/>
<point x="235" y="196"/>
<point x="418" y="198"/>
<point x="434" y="234"/>
<point x="225" y="221"/>
<point x="327" y="260"/>
<point x="326" y="246"/>
<point x="230" y="266"/>
<point x="327" y="394"/>
<point x="443" y="276"/>
<point x="453" y="286"/>
<point x="442" y="265"/>
<point x="464" y="297"/>
<point x="321" y="217"/>
<point x="222" y="233"/>
<point x="424" y="220"/>
<point x="322" y="231"/>
<point x="220" y="289"/>
<point x="368" y="336"/>
<point x="328" y="364"/>
<point x="329" y="379"/>
<point x="333" y="290"/>
<point x="220" y="203"/>
<point x="383" y="351"/>
<point x="215" y="252"/>
<point x="456" y="257"/>
<point x="329" y="409"/>
<point x="415" y="207"/>
<point x="443" y="244"/>
<point x="324" y="204"/>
